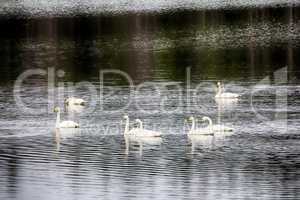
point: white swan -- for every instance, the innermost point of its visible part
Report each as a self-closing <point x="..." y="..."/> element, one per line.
<point x="225" y="95"/>
<point x="217" y="128"/>
<point x="63" y="124"/>
<point x="200" y="131"/>
<point x="145" y="132"/>
<point x="75" y="101"/>
<point x="140" y="131"/>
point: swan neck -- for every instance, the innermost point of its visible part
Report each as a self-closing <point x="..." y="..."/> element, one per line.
<point x="193" y="124"/>
<point x="219" y="89"/>
<point x="126" y="126"/>
<point x="141" y="125"/>
<point x="210" y="124"/>
<point x="57" y="119"/>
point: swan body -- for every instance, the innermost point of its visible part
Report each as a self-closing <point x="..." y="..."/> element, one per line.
<point x="144" y="133"/>
<point x="75" y="101"/>
<point x="217" y="128"/>
<point x="225" y="95"/>
<point x="139" y="131"/>
<point x="74" y="108"/>
<point x="68" y="124"/>
<point x="227" y="102"/>
<point x="148" y="133"/>
<point x="64" y="124"/>
<point x="200" y="131"/>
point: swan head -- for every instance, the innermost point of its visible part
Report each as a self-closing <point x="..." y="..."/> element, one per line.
<point x="138" y="121"/>
<point x="56" y="109"/>
<point x="125" y="117"/>
<point x="206" y="119"/>
<point x="191" y="118"/>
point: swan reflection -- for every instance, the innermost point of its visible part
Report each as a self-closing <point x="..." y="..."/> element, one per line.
<point x="131" y="141"/>
<point x="64" y="133"/>
<point x="208" y="141"/>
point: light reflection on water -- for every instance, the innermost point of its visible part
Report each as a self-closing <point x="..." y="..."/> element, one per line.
<point x="73" y="7"/>
<point x="240" y="47"/>
<point x="99" y="167"/>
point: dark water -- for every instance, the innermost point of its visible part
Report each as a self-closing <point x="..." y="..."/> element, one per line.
<point x="252" y="47"/>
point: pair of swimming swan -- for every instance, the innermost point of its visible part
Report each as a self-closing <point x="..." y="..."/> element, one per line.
<point x="211" y="129"/>
<point x="71" y="101"/>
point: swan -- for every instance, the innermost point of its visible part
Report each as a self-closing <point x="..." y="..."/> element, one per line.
<point x="144" y="132"/>
<point x="217" y="127"/>
<point x="64" y="124"/>
<point x="200" y="131"/>
<point x="140" y="131"/>
<point x="75" y="101"/>
<point x="225" y="95"/>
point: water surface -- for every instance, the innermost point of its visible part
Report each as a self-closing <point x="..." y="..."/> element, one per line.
<point x="251" y="46"/>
